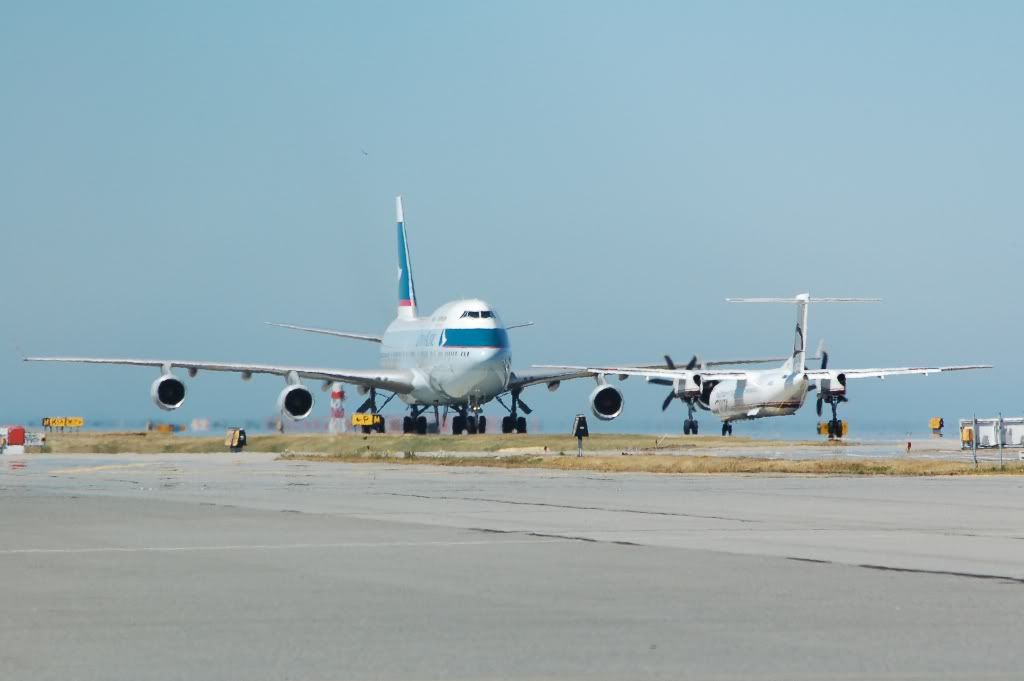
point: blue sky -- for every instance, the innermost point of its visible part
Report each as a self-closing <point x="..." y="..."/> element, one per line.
<point x="177" y="173"/>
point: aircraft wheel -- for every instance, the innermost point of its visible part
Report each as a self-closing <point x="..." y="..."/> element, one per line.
<point x="458" y="425"/>
<point x="421" y="425"/>
<point x="725" y="429"/>
<point x="686" y="427"/>
<point x="481" y="425"/>
<point x="507" y="424"/>
<point x="471" y="425"/>
<point x="367" y="429"/>
<point x="521" y="424"/>
<point x="693" y="427"/>
<point x="730" y="429"/>
<point x="407" y="424"/>
<point x="380" y="426"/>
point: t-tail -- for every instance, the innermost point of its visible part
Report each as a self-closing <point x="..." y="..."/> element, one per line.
<point x="797" y="362"/>
<point x="406" y="289"/>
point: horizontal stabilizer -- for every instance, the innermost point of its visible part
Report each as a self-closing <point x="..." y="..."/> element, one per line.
<point x="329" y="332"/>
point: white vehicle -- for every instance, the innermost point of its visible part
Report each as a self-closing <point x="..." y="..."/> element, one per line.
<point x="743" y="394"/>
<point x="457" y="357"/>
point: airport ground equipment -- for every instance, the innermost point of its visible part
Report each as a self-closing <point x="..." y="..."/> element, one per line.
<point x="991" y="433"/>
<point x="235" y="439"/>
<point x="580" y="431"/>
<point x="936" y="424"/>
<point x="457" y="357"/>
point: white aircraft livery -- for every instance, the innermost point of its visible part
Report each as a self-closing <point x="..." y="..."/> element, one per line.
<point x="457" y="357"/>
<point x="736" y="395"/>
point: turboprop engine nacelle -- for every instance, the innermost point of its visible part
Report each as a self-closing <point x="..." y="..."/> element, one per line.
<point x="295" y="402"/>
<point x="832" y="386"/>
<point x="167" y="392"/>
<point x="687" y="388"/>
<point x="606" y="402"/>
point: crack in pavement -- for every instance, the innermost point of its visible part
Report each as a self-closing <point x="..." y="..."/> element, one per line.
<point x="1005" y="579"/>
<point x="571" y="507"/>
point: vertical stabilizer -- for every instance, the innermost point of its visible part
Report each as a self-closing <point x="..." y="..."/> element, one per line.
<point x="406" y="289"/>
<point x="799" y="358"/>
<point x="797" y="362"/>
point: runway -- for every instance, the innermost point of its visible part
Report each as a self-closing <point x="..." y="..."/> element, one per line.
<point x="240" y="566"/>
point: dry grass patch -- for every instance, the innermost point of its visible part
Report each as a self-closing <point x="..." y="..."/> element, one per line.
<point x="680" y="465"/>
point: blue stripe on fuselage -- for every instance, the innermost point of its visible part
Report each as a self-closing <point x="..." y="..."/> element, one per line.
<point x="474" y="338"/>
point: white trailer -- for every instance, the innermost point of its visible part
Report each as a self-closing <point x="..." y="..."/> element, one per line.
<point x="989" y="431"/>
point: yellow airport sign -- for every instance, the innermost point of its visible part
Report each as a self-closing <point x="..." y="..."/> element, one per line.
<point x="63" y="422"/>
<point x="366" y="419"/>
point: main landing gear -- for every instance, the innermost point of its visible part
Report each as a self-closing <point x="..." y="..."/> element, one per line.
<point x="370" y="406"/>
<point x="726" y="428"/>
<point x="514" y="423"/>
<point x="835" y="426"/>
<point x="415" y="422"/>
<point x="690" y="426"/>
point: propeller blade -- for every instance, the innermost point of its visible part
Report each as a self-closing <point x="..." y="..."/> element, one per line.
<point x="669" y="362"/>
<point x="823" y="353"/>
<point x="817" y="407"/>
<point x="692" y="363"/>
<point x="668" y="401"/>
<point x="811" y="387"/>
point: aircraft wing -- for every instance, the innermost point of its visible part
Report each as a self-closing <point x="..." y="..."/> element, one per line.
<point x="395" y="380"/>
<point x="522" y="378"/>
<point x="893" y="371"/>
<point x="651" y="372"/>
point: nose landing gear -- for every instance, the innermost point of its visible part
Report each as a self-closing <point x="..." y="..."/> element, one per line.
<point x="726" y="428"/>
<point x="469" y="421"/>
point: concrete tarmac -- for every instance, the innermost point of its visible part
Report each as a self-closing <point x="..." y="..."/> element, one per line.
<point x="240" y="566"/>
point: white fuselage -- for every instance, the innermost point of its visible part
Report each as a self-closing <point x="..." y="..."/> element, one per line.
<point x="778" y="392"/>
<point x="459" y="354"/>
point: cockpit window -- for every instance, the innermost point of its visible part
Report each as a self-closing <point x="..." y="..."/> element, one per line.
<point x="486" y="314"/>
<point x="478" y="314"/>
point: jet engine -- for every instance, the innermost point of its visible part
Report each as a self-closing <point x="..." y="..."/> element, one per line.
<point x="606" y="402"/>
<point x="167" y="392"/>
<point x="295" y="402"/>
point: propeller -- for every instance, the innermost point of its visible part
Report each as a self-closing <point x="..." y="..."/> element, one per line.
<point x="690" y="366"/>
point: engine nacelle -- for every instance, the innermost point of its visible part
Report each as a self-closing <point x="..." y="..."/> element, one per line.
<point x="832" y="386"/>
<point x="606" y="402"/>
<point x="295" y="402"/>
<point x="167" y="392"/>
<point x="687" y="388"/>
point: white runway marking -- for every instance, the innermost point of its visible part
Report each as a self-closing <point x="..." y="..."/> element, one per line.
<point x="276" y="547"/>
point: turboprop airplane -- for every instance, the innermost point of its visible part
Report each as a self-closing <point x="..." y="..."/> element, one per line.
<point x="738" y="395"/>
<point x="457" y="357"/>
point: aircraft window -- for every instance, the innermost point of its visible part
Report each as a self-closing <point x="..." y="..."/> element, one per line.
<point x="486" y="314"/>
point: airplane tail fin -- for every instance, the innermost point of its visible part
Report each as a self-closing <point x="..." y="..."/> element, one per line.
<point x="797" y="362"/>
<point x="406" y="289"/>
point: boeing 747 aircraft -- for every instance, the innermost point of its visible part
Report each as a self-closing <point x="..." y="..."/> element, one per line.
<point x="736" y="395"/>
<point x="457" y="357"/>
